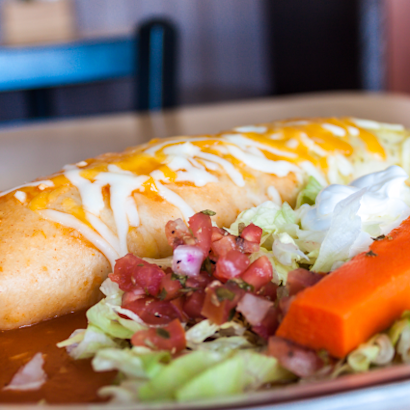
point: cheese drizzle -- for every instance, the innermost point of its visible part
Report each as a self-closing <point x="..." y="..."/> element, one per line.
<point x="323" y="148"/>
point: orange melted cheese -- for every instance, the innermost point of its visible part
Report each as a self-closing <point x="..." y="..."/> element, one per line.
<point x="282" y="136"/>
<point x="286" y="136"/>
<point x="298" y="144"/>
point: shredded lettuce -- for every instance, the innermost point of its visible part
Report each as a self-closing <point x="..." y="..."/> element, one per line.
<point x="87" y="343"/>
<point x="262" y="216"/>
<point x="378" y="351"/>
<point x="104" y="317"/>
<point x="282" y="238"/>
<point x="199" y="332"/>
<point x="309" y="193"/>
<point x="130" y="362"/>
<point x="178" y="373"/>
<point x="244" y="371"/>
<point x="286" y="251"/>
<point x="398" y="327"/>
<point x="124" y="393"/>
<point x="106" y="329"/>
<point x="381" y="350"/>
<point x="228" y="359"/>
<point x="197" y="375"/>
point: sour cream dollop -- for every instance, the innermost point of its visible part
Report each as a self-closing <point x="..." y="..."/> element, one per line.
<point x="384" y="201"/>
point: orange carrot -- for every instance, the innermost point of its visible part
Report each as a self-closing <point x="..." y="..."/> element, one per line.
<point x="359" y="299"/>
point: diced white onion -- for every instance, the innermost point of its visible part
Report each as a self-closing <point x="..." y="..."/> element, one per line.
<point x="253" y="308"/>
<point x="187" y="260"/>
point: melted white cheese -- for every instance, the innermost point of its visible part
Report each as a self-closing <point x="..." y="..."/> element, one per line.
<point x="104" y="231"/>
<point x="279" y="168"/>
<point x="252" y="128"/>
<point x="368" y="124"/>
<point x="244" y="143"/>
<point x="46" y="182"/>
<point x="121" y="188"/>
<point x="210" y="165"/>
<point x="174" y="142"/>
<point x="116" y="169"/>
<point x="190" y="165"/>
<point x="314" y="172"/>
<point x="90" y="192"/>
<point x="232" y="172"/>
<point x="21" y="196"/>
<point x="292" y="143"/>
<point x="71" y="221"/>
<point x="159" y="175"/>
<point x="338" y="165"/>
<point x="274" y="195"/>
<point x="334" y="129"/>
<point x="353" y="131"/>
<point x="311" y="145"/>
<point x="196" y="174"/>
<point x="175" y="199"/>
<point x="179" y="157"/>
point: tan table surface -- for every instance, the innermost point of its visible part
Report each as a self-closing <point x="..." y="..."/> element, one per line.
<point x="38" y="149"/>
<point x="33" y="150"/>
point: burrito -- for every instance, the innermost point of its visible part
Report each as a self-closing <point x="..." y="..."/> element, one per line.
<point x="61" y="235"/>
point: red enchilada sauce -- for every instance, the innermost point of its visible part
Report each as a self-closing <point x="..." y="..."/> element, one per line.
<point x="68" y="380"/>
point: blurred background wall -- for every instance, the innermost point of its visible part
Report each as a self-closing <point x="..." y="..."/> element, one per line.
<point x="237" y="49"/>
<point x="222" y="53"/>
<point x="398" y="45"/>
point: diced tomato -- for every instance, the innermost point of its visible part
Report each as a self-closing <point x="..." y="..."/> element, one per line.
<point x="254" y="308"/>
<point x="170" y="288"/>
<point x="199" y="282"/>
<point x="129" y="297"/>
<point x="153" y="311"/>
<point x="170" y="337"/>
<point x="124" y="267"/>
<point x="246" y="246"/>
<point x="178" y="304"/>
<point x="231" y="265"/>
<point x="259" y="273"/>
<point x="252" y="233"/>
<point x="224" y="245"/>
<point x="193" y="304"/>
<point x="131" y="272"/>
<point x="284" y="304"/>
<point x="217" y="233"/>
<point x="298" y="359"/>
<point x="201" y="227"/>
<point x="220" y="300"/>
<point x="149" y="278"/>
<point x="269" y="324"/>
<point x="300" y="279"/>
<point x="269" y="291"/>
<point x="177" y="233"/>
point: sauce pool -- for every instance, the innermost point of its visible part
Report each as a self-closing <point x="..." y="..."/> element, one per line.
<point x="68" y="380"/>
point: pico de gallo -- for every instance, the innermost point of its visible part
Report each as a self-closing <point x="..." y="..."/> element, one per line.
<point x="203" y="323"/>
<point x="211" y="278"/>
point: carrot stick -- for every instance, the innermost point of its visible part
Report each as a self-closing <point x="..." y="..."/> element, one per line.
<point x="359" y="299"/>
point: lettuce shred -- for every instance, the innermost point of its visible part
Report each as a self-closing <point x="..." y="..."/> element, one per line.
<point x="222" y="360"/>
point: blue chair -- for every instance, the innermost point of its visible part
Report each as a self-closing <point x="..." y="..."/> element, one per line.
<point x="149" y="56"/>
